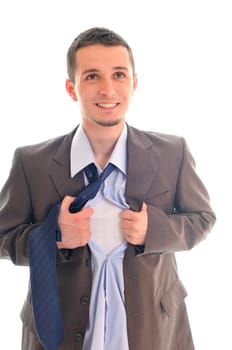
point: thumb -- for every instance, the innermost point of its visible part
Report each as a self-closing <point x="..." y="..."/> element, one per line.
<point x="144" y="207"/>
<point x="67" y="201"/>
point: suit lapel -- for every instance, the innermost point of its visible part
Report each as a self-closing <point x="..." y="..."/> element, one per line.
<point x="142" y="165"/>
<point x="60" y="170"/>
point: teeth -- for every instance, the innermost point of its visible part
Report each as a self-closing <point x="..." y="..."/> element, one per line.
<point x="107" y="105"/>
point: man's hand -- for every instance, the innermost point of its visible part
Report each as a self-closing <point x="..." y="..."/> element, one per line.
<point x="75" y="228"/>
<point x="134" y="225"/>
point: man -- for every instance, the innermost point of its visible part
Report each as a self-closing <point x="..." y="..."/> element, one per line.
<point x="116" y="270"/>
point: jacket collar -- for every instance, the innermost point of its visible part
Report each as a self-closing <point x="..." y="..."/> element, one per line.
<point x="141" y="162"/>
<point x="60" y="170"/>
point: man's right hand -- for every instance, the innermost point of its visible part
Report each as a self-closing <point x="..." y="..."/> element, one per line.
<point x="74" y="227"/>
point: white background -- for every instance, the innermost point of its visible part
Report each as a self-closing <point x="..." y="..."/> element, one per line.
<point x="183" y="58"/>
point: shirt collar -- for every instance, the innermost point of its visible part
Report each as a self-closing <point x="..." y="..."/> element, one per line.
<point x="82" y="154"/>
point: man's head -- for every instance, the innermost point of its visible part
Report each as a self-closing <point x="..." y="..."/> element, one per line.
<point x="94" y="36"/>
<point x="101" y="77"/>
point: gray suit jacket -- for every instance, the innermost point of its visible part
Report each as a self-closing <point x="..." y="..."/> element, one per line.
<point x="160" y="171"/>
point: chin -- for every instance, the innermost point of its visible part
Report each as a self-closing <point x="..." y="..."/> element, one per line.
<point x="108" y="123"/>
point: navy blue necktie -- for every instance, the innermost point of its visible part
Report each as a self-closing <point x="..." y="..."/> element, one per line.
<point x="42" y="257"/>
<point x="91" y="190"/>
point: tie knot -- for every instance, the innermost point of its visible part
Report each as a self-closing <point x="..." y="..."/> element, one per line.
<point x="91" y="172"/>
<point x="91" y="190"/>
<point x="107" y="171"/>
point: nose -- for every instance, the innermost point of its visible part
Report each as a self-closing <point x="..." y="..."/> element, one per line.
<point x="106" y="87"/>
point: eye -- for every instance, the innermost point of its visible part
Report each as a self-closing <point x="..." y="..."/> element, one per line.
<point x="91" y="76"/>
<point x="119" y="75"/>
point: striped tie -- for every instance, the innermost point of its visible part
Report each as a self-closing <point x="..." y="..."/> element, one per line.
<point x="42" y="257"/>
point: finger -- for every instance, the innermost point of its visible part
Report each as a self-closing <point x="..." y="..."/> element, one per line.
<point x="126" y="214"/>
<point x="67" y="201"/>
<point x="86" y="212"/>
<point x="144" y="207"/>
<point x="129" y="214"/>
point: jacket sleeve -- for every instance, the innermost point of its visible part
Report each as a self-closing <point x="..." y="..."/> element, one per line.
<point x="187" y="220"/>
<point x="16" y="220"/>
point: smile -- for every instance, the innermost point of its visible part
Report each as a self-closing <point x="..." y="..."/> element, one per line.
<point x="107" y="105"/>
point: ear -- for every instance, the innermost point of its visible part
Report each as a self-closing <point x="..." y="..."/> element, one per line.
<point x="135" y="83"/>
<point x="71" y="89"/>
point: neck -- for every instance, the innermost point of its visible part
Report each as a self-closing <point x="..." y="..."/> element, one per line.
<point x="103" y="140"/>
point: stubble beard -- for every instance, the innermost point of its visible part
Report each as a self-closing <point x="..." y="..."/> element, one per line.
<point x="108" y="123"/>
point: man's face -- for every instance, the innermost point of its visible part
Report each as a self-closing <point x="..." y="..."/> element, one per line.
<point x="104" y="84"/>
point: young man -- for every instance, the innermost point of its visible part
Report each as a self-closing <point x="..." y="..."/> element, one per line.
<point x="116" y="270"/>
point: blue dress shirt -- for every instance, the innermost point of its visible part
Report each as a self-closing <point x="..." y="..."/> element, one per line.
<point x="107" y="328"/>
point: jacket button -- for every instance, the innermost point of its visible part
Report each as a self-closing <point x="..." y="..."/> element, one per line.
<point x="84" y="300"/>
<point x="78" y="337"/>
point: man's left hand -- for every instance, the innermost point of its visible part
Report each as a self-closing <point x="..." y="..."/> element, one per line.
<point x="134" y="225"/>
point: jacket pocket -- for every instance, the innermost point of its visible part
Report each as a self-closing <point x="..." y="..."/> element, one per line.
<point x="151" y="195"/>
<point x="173" y="298"/>
<point x="160" y="200"/>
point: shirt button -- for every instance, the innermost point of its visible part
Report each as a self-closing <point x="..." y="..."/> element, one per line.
<point x="84" y="300"/>
<point x="87" y="262"/>
<point x="78" y="337"/>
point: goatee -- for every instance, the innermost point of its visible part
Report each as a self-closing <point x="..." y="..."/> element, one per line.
<point x="108" y="123"/>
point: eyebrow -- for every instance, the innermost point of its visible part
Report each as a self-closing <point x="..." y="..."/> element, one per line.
<point x="95" y="70"/>
<point x="120" y="68"/>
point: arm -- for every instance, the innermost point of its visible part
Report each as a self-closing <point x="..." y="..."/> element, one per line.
<point x="16" y="222"/>
<point x="190" y="218"/>
<point x="177" y="214"/>
<point x="25" y="203"/>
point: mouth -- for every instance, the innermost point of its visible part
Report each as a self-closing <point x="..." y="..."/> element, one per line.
<point x="107" y="105"/>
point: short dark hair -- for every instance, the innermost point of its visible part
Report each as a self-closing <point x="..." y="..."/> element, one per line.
<point x="93" y="36"/>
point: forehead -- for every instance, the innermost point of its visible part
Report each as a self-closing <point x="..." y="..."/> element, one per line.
<point x="102" y="57"/>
